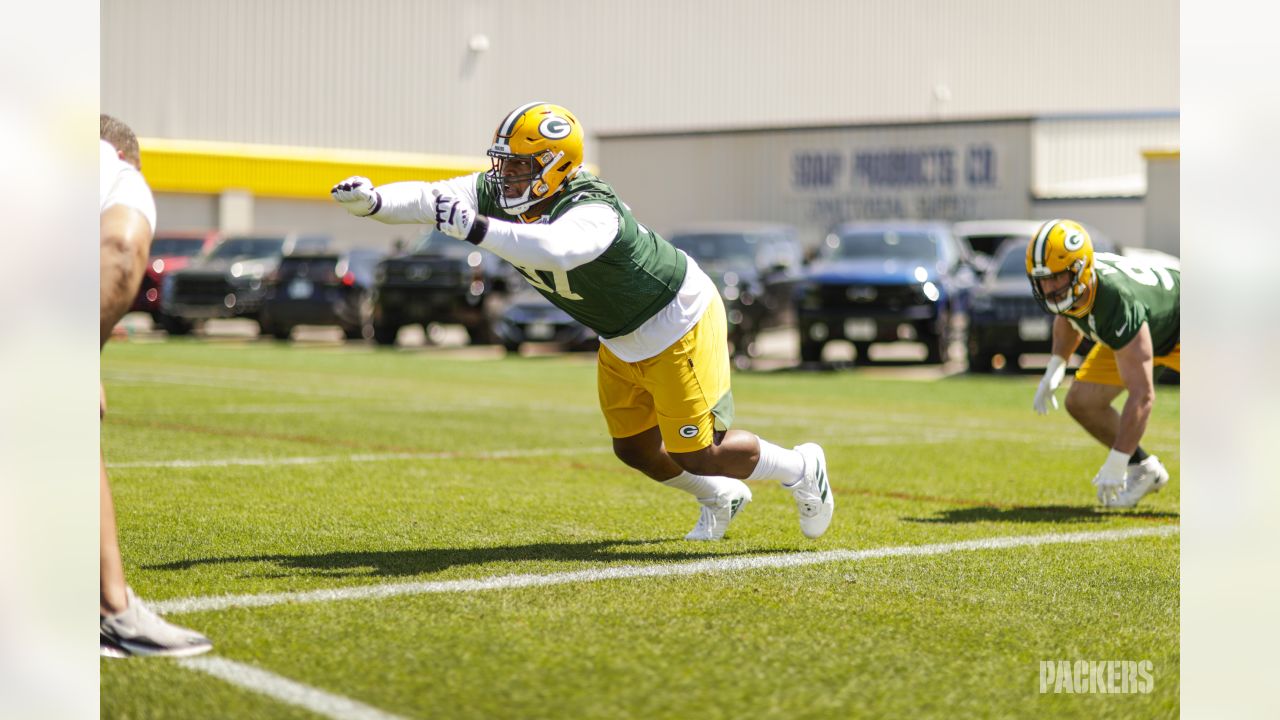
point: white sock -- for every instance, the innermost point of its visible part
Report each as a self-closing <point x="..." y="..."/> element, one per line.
<point x="776" y="463"/>
<point x="703" y="487"/>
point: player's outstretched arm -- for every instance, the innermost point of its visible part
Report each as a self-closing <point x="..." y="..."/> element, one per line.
<point x="399" y="203"/>
<point x="577" y="237"/>
<point x="1134" y="361"/>
<point x="125" y="244"/>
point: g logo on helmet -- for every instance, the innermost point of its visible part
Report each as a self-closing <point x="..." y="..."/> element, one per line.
<point x="1073" y="241"/>
<point x="555" y="128"/>
<point x="688" y="431"/>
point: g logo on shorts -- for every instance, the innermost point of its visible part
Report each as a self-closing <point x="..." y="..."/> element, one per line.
<point x="688" y="431"/>
<point x="555" y="128"/>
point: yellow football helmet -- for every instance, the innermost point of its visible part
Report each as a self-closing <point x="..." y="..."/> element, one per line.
<point x="1060" y="266"/>
<point x="536" y="150"/>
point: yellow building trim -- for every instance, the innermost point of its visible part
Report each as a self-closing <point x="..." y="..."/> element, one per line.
<point x="196" y="166"/>
<point x="1162" y="154"/>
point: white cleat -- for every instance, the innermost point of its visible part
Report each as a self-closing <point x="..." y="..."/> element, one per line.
<point x="813" y="495"/>
<point x="718" y="512"/>
<point x="1146" y="477"/>
<point x="138" y="631"/>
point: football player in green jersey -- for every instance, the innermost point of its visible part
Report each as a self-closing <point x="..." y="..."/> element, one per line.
<point x="663" y="366"/>
<point x="1130" y="310"/>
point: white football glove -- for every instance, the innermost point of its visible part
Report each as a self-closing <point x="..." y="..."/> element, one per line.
<point x="357" y="196"/>
<point x="1110" y="478"/>
<point x="457" y="218"/>
<point x="1049" y="384"/>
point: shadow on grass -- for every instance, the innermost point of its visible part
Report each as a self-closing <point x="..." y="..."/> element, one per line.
<point x="1040" y="514"/>
<point x="396" y="563"/>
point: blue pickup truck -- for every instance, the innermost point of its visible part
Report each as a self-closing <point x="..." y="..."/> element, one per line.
<point x="885" y="282"/>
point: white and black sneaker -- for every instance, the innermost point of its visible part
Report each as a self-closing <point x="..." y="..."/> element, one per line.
<point x="139" y="631"/>
<point x="1142" y="479"/>
<point x="111" y="649"/>
<point x="812" y="493"/>
<point x="719" y="511"/>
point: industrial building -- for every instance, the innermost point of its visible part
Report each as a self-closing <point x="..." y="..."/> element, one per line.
<point x="808" y="112"/>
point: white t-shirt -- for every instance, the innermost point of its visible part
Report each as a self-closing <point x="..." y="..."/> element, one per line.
<point x="122" y="184"/>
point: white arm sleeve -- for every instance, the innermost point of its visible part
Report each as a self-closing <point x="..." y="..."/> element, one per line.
<point x="411" y="202"/>
<point x="579" y="236"/>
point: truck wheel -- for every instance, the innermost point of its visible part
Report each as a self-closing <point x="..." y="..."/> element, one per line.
<point x="360" y="332"/>
<point x="385" y="334"/>
<point x="980" y="361"/>
<point x="174" y="325"/>
<point x="480" y="334"/>
<point x="863" y="353"/>
<point x="811" y="351"/>
<point x="937" y="347"/>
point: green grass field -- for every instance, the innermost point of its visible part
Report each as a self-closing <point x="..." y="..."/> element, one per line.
<point x="250" y="468"/>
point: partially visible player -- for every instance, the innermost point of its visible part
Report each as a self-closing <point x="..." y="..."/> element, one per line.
<point x="663" y="366"/>
<point x="128" y="219"/>
<point x="1130" y="310"/>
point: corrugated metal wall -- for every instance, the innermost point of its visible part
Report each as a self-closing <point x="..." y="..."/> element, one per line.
<point x="814" y="179"/>
<point x="398" y="74"/>
<point x="1086" y="157"/>
<point x="1163" y="202"/>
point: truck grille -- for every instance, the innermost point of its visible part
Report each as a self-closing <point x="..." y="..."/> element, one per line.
<point x="426" y="273"/>
<point x="200" y="289"/>
<point x="870" y="297"/>
<point x="1013" y="309"/>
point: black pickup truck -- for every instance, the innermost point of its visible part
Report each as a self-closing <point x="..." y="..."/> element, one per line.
<point x="230" y="280"/>
<point x="441" y="280"/>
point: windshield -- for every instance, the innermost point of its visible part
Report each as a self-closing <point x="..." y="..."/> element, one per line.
<point x="726" y="248"/>
<point x="247" y="247"/>
<point x="1013" y="263"/>
<point x="363" y="262"/>
<point x="175" y="247"/>
<point x="883" y="245"/>
<point x="436" y="243"/>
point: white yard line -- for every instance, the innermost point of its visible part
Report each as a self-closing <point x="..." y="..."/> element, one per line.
<point x="361" y="458"/>
<point x="285" y="690"/>
<point x="829" y="440"/>
<point x="700" y="567"/>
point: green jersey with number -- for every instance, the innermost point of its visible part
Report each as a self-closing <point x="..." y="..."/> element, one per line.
<point x="626" y="285"/>
<point x="1131" y="292"/>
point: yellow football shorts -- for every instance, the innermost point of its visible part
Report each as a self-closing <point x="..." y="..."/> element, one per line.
<point x="684" y="390"/>
<point x="1099" y="365"/>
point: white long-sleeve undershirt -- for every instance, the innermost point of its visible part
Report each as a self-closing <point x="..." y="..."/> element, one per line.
<point x="576" y="238"/>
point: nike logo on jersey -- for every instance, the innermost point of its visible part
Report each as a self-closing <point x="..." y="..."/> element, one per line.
<point x="1122" y="329"/>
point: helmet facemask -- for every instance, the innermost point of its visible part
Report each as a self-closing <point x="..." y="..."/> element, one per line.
<point x="517" y="181"/>
<point x="1065" y="295"/>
